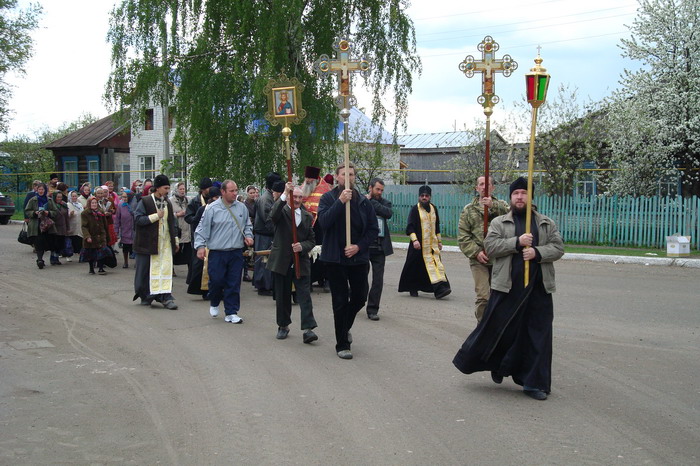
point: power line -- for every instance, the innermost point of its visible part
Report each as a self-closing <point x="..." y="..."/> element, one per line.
<point x="525" y="29"/>
<point x="530" y="45"/>
<point x="527" y="22"/>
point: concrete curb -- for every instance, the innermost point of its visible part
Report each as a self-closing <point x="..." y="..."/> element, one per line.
<point x="651" y="261"/>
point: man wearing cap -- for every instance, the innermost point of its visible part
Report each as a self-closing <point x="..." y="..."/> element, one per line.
<point x="264" y="230"/>
<point x="423" y="270"/>
<point x="283" y="267"/>
<point x="224" y="229"/>
<point x="471" y="240"/>
<point x="155" y="243"/>
<point x="514" y="338"/>
<point x="347" y="265"/>
<point x="312" y="189"/>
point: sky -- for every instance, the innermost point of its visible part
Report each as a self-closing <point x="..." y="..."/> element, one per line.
<point x="579" y="44"/>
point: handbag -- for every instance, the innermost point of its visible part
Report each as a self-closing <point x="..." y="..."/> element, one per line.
<point x="23" y="237"/>
<point x="110" y="259"/>
<point x="45" y="223"/>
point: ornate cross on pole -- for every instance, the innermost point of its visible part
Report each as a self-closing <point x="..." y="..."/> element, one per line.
<point x="343" y="65"/>
<point x="488" y="66"/>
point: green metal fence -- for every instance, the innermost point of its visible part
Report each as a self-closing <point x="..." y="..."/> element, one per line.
<point x="614" y="220"/>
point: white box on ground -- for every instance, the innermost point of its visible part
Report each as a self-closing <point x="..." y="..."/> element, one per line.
<point x="677" y="246"/>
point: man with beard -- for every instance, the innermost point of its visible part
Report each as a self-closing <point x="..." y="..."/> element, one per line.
<point x="190" y="213"/>
<point x="423" y="270"/>
<point x="347" y="265"/>
<point x="312" y="189"/>
<point x="471" y="240"/>
<point x="264" y="230"/>
<point x="251" y="196"/>
<point x="379" y="249"/>
<point x="155" y="243"/>
<point x="515" y="336"/>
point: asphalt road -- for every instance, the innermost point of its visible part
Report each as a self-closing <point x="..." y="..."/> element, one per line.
<point x="88" y="377"/>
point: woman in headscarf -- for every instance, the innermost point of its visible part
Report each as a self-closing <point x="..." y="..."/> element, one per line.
<point x="40" y="214"/>
<point x="75" y="233"/>
<point x="94" y="228"/>
<point x="109" y="209"/>
<point x="84" y="193"/>
<point x="61" y="225"/>
<point x="124" y="227"/>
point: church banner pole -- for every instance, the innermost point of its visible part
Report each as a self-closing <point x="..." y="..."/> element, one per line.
<point x="488" y="66"/>
<point x="537" y="82"/>
<point x="284" y="104"/>
<point x="343" y="64"/>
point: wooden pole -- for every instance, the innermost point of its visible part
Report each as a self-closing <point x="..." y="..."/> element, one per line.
<point x="345" y="114"/>
<point x="287" y="131"/>
<point x="530" y="174"/>
<point x="487" y="161"/>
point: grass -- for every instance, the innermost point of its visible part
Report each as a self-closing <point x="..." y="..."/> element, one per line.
<point x="582" y="248"/>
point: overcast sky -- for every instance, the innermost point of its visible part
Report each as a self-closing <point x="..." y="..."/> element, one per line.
<point x="67" y="74"/>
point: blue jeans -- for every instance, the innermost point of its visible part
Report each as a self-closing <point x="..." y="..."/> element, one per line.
<point x="225" y="271"/>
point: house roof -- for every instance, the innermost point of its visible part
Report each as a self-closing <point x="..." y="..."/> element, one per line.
<point x="436" y="140"/>
<point x="92" y="134"/>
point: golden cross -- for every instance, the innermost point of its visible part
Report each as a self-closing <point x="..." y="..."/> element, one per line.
<point x="343" y="65"/>
<point x="488" y="66"/>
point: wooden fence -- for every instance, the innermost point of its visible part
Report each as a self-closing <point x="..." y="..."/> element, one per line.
<point x="617" y="221"/>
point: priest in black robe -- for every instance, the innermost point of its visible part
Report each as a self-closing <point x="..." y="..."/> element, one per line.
<point x="423" y="270"/>
<point x="514" y="338"/>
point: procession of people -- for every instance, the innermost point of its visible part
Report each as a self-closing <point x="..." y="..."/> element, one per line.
<point x="293" y="236"/>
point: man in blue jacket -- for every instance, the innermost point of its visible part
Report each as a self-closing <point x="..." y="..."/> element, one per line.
<point x="347" y="265"/>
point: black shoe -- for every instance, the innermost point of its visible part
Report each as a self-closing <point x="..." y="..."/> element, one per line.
<point x="101" y="272"/>
<point x="345" y="354"/>
<point x="145" y="302"/>
<point x="536" y="394"/>
<point x="414" y="294"/>
<point x="372" y="316"/>
<point x="92" y="272"/>
<point x="496" y="378"/>
<point x="125" y="266"/>
<point x="443" y="293"/>
<point x="40" y="263"/>
<point x="265" y="292"/>
<point x="282" y="333"/>
<point x="310" y="336"/>
<point x="170" y="305"/>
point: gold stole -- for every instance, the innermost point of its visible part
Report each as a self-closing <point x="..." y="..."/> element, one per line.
<point x="429" y="246"/>
<point x="161" y="277"/>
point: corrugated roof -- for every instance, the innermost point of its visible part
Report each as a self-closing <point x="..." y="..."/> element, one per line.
<point x="360" y="125"/>
<point x="91" y="135"/>
<point x="436" y="140"/>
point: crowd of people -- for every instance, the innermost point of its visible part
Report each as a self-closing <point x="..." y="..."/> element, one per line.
<point x="286" y="239"/>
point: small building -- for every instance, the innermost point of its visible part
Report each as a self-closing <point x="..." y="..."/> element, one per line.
<point x="96" y="153"/>
<point x="147" y="145"/>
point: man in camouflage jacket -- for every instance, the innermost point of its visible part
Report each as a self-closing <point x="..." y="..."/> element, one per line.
<point x="471" y="240"/>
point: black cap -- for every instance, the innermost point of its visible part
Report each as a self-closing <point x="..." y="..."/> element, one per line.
<point x="271" y="178"/>
<point x="161" y="180"/>
<point x="205" y="183"/>
<point x="425" y="189"/>
<point x="278" y="186"/>
<point x="520" y="183"/>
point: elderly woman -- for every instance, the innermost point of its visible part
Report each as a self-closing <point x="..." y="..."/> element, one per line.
<point x="109" y="209"/>
<point x="75" y="233"/>
<point x="124" y="227"/>
<point x="94" y="229"/>
<point x="84" y="193"/>
<point x="61" y="225"/>
<point x="40" y="214"/>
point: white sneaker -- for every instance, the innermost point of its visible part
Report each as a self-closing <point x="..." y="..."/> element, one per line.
<point x="214" y="311"/>
<point x="234" y="319"/>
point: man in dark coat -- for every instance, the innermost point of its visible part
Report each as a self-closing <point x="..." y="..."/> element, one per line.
<point x="423" y="270"/>
<point x="155" y="243"/>
<point x="347" y="265"/>
<point x="281" y="263"/>
<point x="379" y="249"/>
<point x="514" y="338"/>
<point x="263" y="231"/>
<point x="190" y="213"/>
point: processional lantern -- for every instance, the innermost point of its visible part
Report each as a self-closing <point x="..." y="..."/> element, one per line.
<point x="284" y="105"/>
<point x="343" y="64"/>
<point x="488" y="67"/>
<point x="536" y="83"/>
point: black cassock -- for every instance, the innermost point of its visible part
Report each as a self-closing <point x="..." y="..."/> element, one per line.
<point x="515" y="336"/>
<point x="414" y="276"/>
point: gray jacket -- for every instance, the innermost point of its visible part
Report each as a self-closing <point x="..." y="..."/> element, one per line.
<point x="382" y="208"/>
<point x="500" y="245"/>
